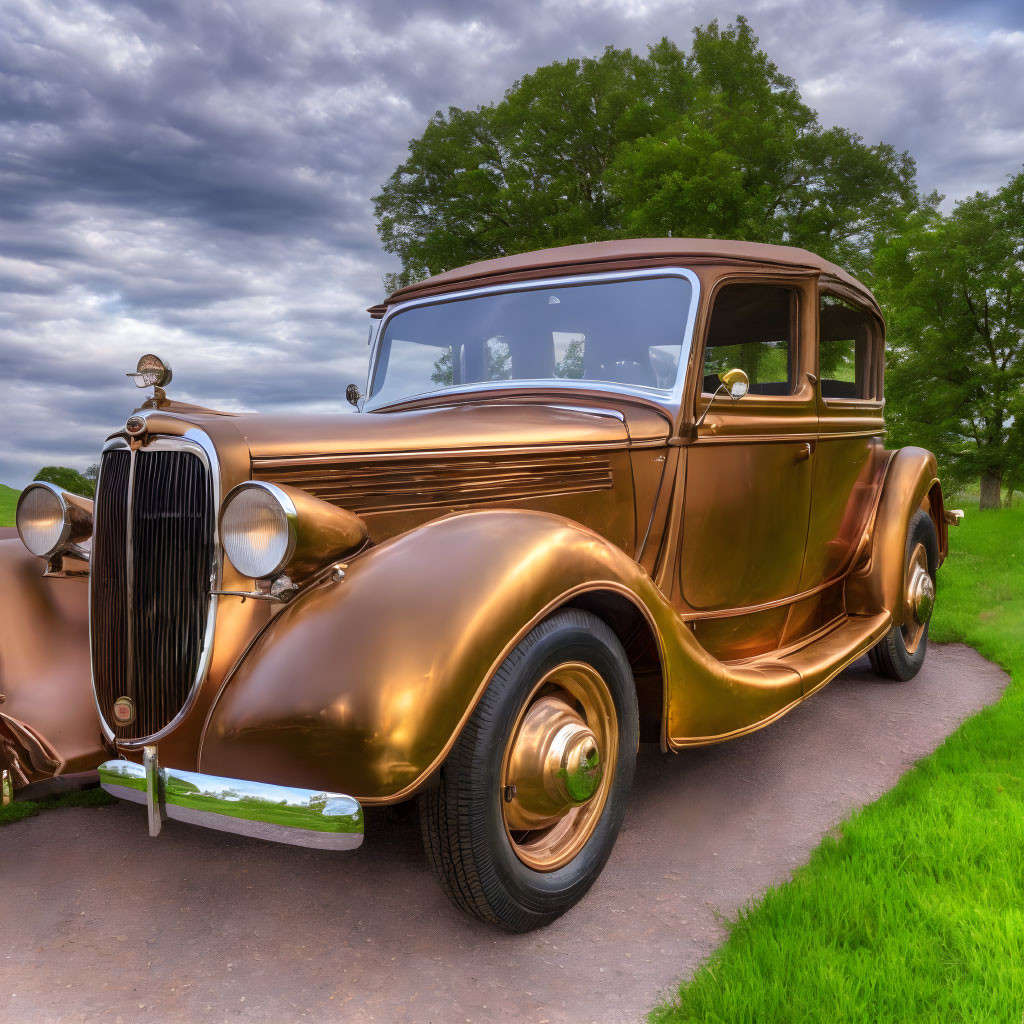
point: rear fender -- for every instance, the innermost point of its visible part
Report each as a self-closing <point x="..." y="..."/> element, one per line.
<point x="48" y="719"/>
<point x="910" y="483"/>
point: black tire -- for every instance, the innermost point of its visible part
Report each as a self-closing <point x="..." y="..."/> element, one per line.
<point x="461" y="819"/>
<point x="890" y="657"/>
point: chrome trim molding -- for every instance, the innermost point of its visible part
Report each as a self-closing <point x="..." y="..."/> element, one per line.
<point x="129" y="573"/>
<point x="279" y="814"/>
<point x="111" y="444"/>
<point x="666" y="397"/>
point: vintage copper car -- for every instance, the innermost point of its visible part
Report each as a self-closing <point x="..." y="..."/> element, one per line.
<point x="596" y="495"/>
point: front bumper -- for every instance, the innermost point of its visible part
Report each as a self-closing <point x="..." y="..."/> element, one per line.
<point x="281" y="814"/>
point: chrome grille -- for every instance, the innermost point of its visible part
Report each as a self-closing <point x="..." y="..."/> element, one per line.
<point x="152" y="561"/>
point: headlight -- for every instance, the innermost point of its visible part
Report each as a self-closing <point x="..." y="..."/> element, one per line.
<point x="268" y="529"/>
<point x="257" y="529"/>
<point x="50" y="520"/>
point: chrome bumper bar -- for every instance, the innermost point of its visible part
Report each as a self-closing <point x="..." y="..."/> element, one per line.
<point x="281" y="814"/>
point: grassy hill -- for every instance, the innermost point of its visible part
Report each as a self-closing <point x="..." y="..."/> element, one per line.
<point x="8" y="499"/>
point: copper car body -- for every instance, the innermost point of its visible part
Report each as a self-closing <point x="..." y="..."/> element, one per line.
<point x="744" y="552"/>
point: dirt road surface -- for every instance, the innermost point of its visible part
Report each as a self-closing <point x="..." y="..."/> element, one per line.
<point x="98" y="922"/>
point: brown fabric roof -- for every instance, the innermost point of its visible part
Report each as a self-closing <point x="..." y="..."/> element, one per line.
<point x="621" y="254"/>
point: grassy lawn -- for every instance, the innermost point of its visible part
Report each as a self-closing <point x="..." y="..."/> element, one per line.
<point x="29" y="808"/>
<point x="916" y="910"/>
<point x="8" y="499"/>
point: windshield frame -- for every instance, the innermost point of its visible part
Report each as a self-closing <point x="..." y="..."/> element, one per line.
<point x="667" y="397"/>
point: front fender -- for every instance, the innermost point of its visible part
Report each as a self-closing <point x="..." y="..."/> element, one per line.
<point x="48" y="719"/>
<point x="362" y="686"/>
<point x="910" y="483"/>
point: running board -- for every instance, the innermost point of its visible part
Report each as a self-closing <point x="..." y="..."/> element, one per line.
<point x="814" y="664"/>
<point x="826" y="656"/>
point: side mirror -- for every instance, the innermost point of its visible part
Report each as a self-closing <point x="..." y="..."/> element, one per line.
<point x="736" y="382"/>
<point x="352" y="395"/>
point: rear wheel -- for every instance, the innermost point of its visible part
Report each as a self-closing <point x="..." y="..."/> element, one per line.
<point x="901" y="652"/>
<point x="532" y="795"/>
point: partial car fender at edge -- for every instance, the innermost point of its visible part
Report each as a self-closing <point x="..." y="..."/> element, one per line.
<point x="364" y="684"/>
<point x="911" y="482"/>
<point x="48" y="719"/>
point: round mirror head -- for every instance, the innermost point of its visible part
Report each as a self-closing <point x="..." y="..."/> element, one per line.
<point x="737" y="382"/>
<point x="152" y="371"/>
<point x="352" y="395"/>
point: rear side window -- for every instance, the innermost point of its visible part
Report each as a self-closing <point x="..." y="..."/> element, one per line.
<point x="753" y="328"/>
<point x="850" y="354"/>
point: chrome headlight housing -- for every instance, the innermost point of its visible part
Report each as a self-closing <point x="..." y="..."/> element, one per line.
<point x="268" y="529"/>
<point x="51" y="520"/>
<point x="258" y="529"/>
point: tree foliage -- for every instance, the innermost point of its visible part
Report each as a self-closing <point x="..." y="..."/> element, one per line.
<point x="953" y="288"/>
<point x="69" y="479"/>
<point x="711" y="143"/>
<point x="717" y="142"/>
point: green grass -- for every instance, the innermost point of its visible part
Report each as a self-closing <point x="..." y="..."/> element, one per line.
<point x="8" y="500"/>
<point x="915" y="911"/>
<point x="29" y="808"/>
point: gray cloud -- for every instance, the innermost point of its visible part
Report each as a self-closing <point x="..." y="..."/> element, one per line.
<point x="195" y="179"/>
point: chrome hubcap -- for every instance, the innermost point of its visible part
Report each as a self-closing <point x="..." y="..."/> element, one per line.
<point x="555" y="765"/>
<point x="558" y="766"/>
<point x="918" y="598"/>
<point x="922" y="595"/>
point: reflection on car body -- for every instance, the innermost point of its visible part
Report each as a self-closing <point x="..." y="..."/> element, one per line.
<point x="601" y="494"/>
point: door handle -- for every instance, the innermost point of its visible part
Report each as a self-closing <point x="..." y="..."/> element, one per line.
<point x="803" y="452"/>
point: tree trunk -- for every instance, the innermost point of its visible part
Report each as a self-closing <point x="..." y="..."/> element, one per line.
<point x="991" y="484"/>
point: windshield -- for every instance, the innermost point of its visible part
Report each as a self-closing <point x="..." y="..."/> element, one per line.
<point x="629" y="331"/>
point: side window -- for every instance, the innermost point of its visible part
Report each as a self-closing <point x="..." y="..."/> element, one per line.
<point x="850" y="356"/>
<point x="753" y="328"/>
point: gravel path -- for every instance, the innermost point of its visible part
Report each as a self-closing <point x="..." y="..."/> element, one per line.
<point x="98" y="922"/>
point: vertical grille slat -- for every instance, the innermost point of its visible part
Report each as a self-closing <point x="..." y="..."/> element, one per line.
<point x="148" y="631"/>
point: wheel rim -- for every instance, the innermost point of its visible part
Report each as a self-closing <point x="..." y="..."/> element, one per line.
<point x="558" y="766"/>
<point x="918" y="598"/>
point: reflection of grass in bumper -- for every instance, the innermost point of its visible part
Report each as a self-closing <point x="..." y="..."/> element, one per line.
<point x="272" y="814"/>
<point x="286" y="814"/>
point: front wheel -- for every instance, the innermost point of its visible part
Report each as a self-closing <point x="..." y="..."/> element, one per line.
<point x="532" y="795"/>
<point x="901" y="652"/>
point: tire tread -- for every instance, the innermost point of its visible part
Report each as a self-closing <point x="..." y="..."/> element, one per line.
<point x="889" y="658"/>
<point x="452" y="833"/>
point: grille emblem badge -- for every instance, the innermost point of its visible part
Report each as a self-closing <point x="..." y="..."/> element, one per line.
<point x="124" y="711"/>
<point x="135" y="425"/>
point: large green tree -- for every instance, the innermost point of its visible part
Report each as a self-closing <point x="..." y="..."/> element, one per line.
<point x="953" y="288"/>
<point x="70" y="479"/>
<point x="711" y="143"/>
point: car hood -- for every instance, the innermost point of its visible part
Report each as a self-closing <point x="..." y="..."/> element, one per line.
<point x="468" y="426"/>
<point x="444" y="428"/>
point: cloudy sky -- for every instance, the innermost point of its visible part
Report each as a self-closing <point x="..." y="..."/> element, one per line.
<point x="193" y="177"/>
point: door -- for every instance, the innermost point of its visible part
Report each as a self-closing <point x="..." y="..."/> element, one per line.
<point x="849" y="456"/>
<point x="749" y="471"/>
